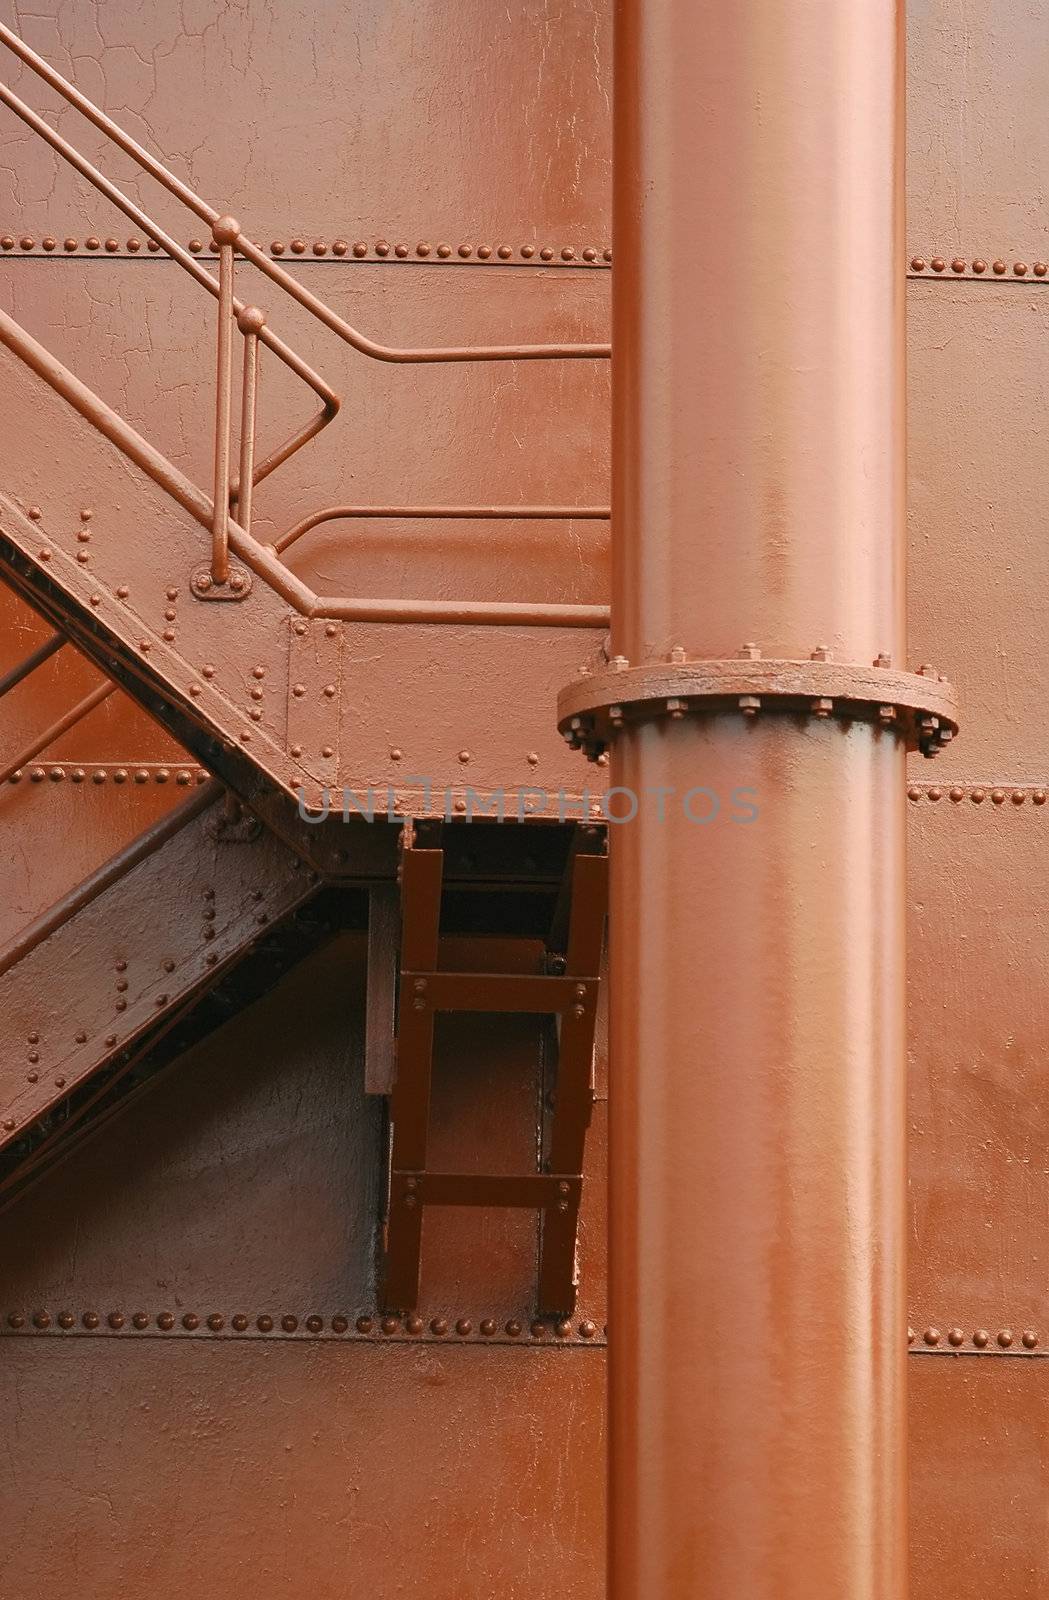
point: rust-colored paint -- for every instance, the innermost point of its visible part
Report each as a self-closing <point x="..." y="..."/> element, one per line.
<point x="190" y="1273"/>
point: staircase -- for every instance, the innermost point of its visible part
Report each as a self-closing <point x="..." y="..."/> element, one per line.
<point x="162" y="585"/>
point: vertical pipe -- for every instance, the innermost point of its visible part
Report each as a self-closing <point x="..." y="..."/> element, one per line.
<point x="758" y="1136"/>
<point x="224" y="232"/>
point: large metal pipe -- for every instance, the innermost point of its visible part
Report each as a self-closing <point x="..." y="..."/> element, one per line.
<point x="758" y="1137"/>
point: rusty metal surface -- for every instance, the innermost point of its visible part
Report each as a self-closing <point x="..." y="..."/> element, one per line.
<point x="162" y="928"/>
<point x="248" y="1183"/>
<point x="212" y="1199"/>
<point x="979" y="1478"/>
<point x="385" y="132"/>
<point x="397" y="1462"/>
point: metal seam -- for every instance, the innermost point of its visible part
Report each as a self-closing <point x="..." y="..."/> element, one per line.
<point x="978" y="793"/>
<point x="978" y="268"/>
<point x="421" y="253"/>
<point x="933" y="1340"/>
<point x="99" y="772"/>
<point x="367" y="1328"/>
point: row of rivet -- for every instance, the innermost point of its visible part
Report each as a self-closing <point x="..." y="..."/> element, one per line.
<point x="977" y="793"/>
<point x="978" y="266"/>
<point x="367" y="1325"/>
<point x="980" y="1339"/>
<point x="61" y="771"/>
<point x="590" y="254"/>
<point x="382" y="249"/>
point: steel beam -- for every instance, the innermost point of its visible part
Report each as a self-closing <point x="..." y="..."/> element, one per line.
<point x="757" y="1149"/>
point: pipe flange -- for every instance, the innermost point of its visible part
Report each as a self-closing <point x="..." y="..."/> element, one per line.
<point x="921" y="707"/>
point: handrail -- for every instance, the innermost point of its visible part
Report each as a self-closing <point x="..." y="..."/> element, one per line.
<point x="229" y="241"/>
<point x="439" y="514"/>
<point x="67" y="720"/>
<point x="370" y="347"/>
<point x="261" y="558"/>
<point x="106" y="875"/>
<point x="41" y="654"/>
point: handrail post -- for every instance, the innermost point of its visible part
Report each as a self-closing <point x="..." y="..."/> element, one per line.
<point x="225" y="233"/>
<point x="250" y="322"/>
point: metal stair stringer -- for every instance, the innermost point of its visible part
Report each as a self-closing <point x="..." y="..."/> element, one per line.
<point x="117" y="559"/>
<point x="138" y="943"/>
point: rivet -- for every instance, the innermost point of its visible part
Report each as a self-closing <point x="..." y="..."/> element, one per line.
<point x="339" y="247"/>
<point x="328" y="691"/>
<point x="464" y="1327"/>
<point x="27" y="241"/>
<point x="165" y="1320"/>
<point x="41" y="1319"/>
<point x="140" y="1320"/>
<point x="7" y="243"/>
<point x="464" y="756"/>
<point x="935" y="794"/>
<point x="277" y="247"/>
<point x="382" y="247"/>
<point x="414" y="1324"/>
<point x="319" y="247"/>
<point x="589" y="254"/>
<point x="1018" y="797"/>
<point x="34" y="1056"/>
<point x="60" y="1083"/>
<point x="239" y="1322"/>
<point x="215" y="1322"/>
<point x="112" y="244"/>
<point x="917" y="264"/>
<point x="110" y="1040"/>
<point x="264" y="1323"/>
<point x="999" y="267"/>
<point x="1020" y="268"/>
<point x="90" y="1319"/>
<point x="937" y="263"/>
<point x="444" y="251"/>
<point x="339" y="1324"/>
<point x="134" y="244"/>
<point x="957" y="794"/>
<point x="96" y="599"/>
<point x="1040" y="269"/>
<point x="9" y="1124"/>
<point x="979" y="265"/>
<point x="327" y="752"/>
<point x="977" y="797"/>
<point x="422" y="249"/>
<point x="1039" y="797"/>
<point x="314" y="1324"/>
<point x="513" y="1328"/>
<point x="191" y="1321"/>
<point x="997" y="796"/>
<point x="115" y="1319"/>
<point x="364" y="1324"/>
<point x="122" y="592"/>
<point x="80" y="1038"/>
<point x="956" y="1337"/>
<point x="66" y="1319"/>
<point x="488" y="1327"/>
<point x="1029" y="1338"/>
<point x="466" y="250"/>
<point x="1005" y="1338"/>
<point x="389" y="1325"/>
<point x="546" y="254"/>
<point x="957" y="265"/>
<point x="931" y="1336"/>
<point x="15" y="1319"/>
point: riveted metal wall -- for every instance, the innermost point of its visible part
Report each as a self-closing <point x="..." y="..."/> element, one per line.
<point x="197" y="1383"/>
